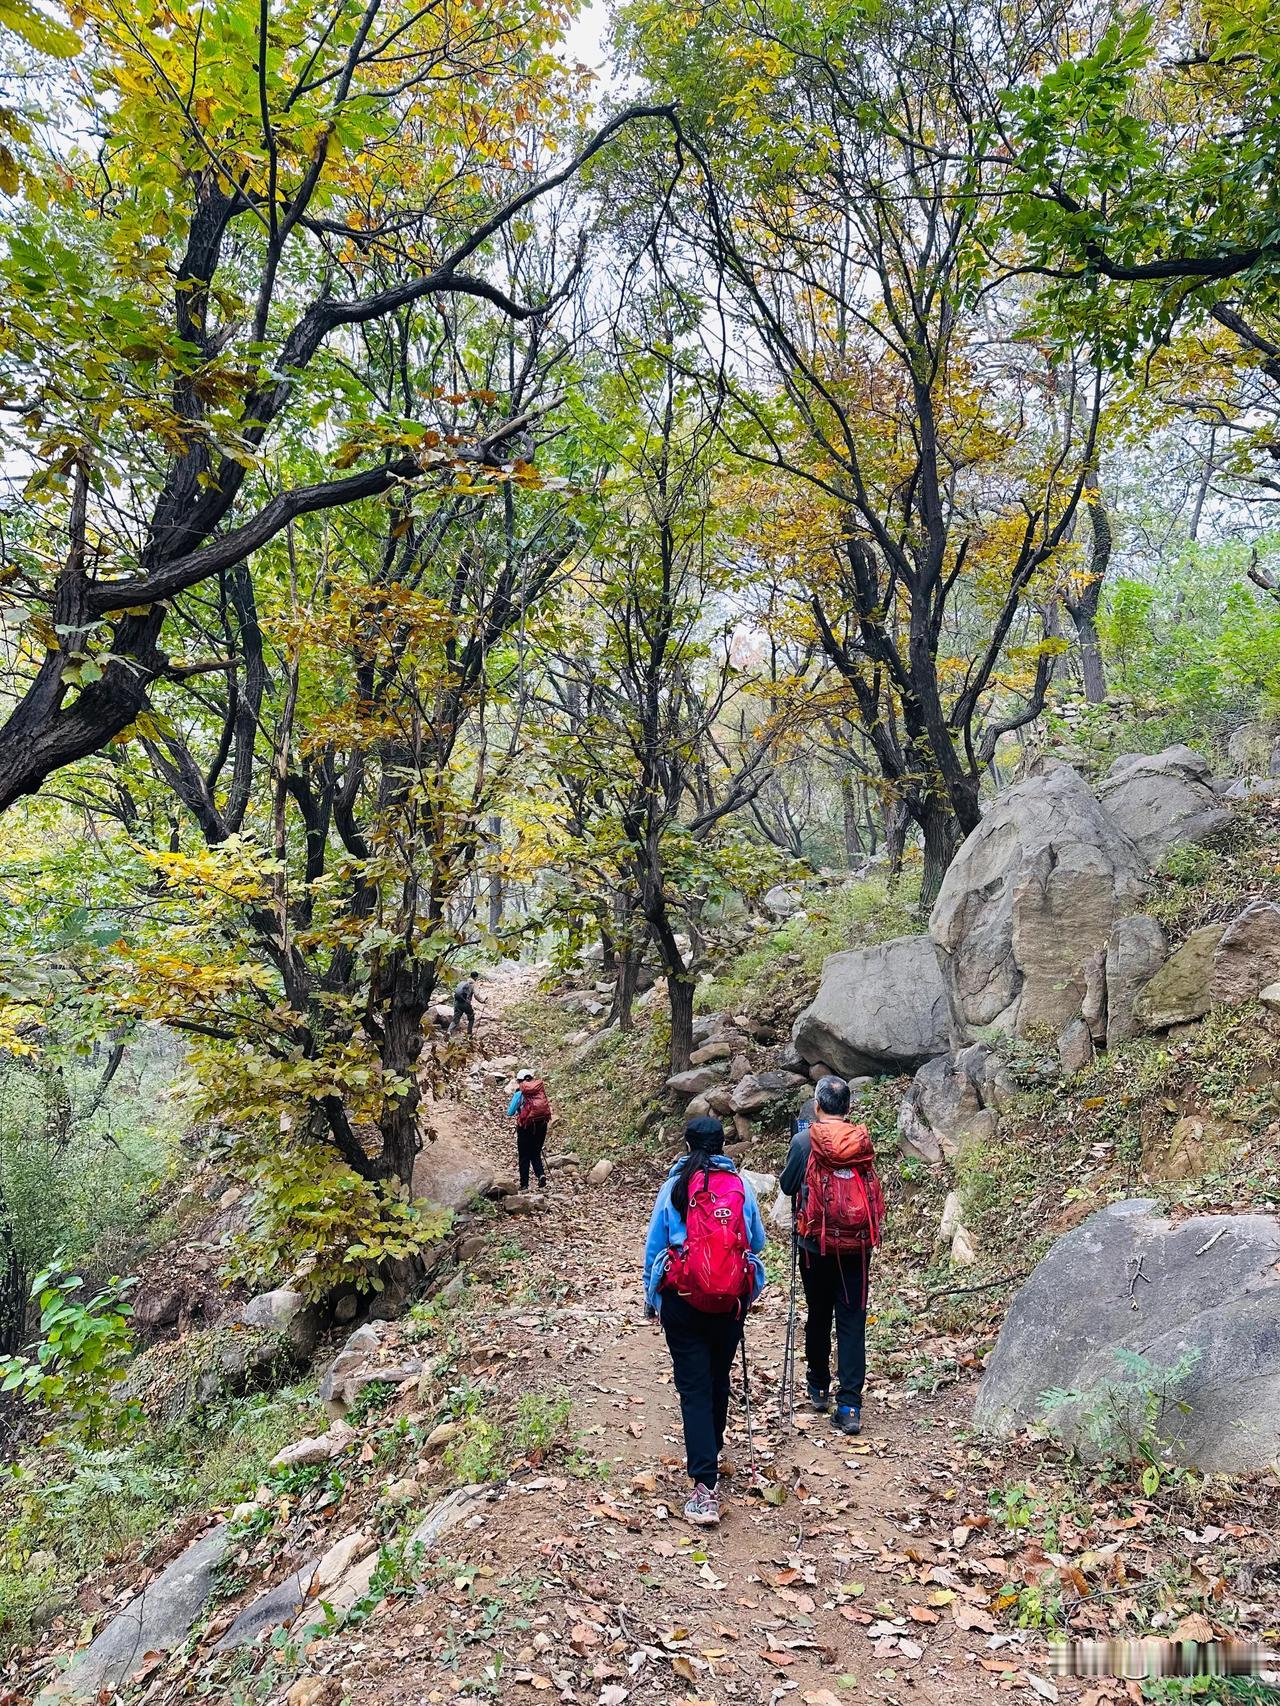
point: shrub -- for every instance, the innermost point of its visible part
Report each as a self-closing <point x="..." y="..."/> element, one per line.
<point x="81" y="1355"/>
<point x="315" y="1214"/>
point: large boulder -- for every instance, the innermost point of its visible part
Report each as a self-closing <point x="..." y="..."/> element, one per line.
<point x="1163" y="800"/>
<point x="881" y="1009"/>
<point x="1028" y="901"/>
<point x="944" y="1109"/>
<point x="450" y="1174"/>
<point x="1180" y="991"/>
<point x="1247" y="959"/>
<point x="158" y="1619"/>
<point x="754" y="1092"/>
<point x="1200" y="1296"/>
<point x="1135" y="953"/>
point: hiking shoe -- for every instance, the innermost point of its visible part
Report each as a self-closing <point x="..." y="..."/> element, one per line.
<point x="819" y="1396"/>
<point x="703" y="1508"/>
<point x="847" y="1419"/>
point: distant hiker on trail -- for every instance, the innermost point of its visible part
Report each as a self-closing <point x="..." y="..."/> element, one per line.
<point x="837" y="1204"/>
<point x="531" y="1110"/>
<point x="702" y="1270"/>
<point x="463" y="995"/>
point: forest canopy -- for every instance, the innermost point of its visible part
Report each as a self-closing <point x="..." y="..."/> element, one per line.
<point x="455" y="503"/>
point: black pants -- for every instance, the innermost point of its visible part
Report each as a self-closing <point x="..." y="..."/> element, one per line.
<point x="462" y="1009"/>
<point x="835" y="1287"/>
<point x="530" y="1138"/>
<point x="702" y="1350"/>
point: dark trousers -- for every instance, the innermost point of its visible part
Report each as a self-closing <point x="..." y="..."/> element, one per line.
<point x="702" y="1350"/>
<point x="462" y="1009"/>
<point x="530" y="1138"/>
<point x="835" y="1287"/>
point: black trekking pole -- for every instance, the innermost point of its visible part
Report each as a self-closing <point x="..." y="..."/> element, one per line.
<point x="746" y="1399"/>
<point x="788" y="1405"/>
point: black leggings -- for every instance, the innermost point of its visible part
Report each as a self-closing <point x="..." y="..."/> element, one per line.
<point x="702" y="1350"/>
<point x="530" y="1138"/>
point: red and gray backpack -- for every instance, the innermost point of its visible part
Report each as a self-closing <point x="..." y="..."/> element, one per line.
<point x="534" y="1104"/>
<point x="712" y="1268"/>
<point x="841" y="1205"/>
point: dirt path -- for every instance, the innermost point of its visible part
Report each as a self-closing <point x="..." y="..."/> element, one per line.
<point x="579" y="1580"/>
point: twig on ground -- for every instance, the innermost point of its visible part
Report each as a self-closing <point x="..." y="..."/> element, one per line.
<point x="969" y="1290"/>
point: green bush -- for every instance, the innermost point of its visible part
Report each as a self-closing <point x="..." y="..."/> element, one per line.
<point x="80" y="1358"/>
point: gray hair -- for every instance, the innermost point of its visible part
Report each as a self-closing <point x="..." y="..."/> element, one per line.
<point x="832" y="1096"/>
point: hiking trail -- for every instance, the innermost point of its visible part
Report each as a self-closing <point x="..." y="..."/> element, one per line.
<point x="590" y="1587"/>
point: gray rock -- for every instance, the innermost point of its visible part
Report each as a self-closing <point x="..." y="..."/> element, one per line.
<point x="1249" y="748"/>
<point x="995" y="1083"/>
<point x="782" y="901"/>
<point x="881" y="1009"/>
<point x="1247" y="958"/>
<point x="721" y="1049"/>
<point x="441" y="1518"/>
<point x="287" y="1313"/>
<point x="449" y="1174"/>
<point x="1163" y="801"/>
<point x="943" y="1112"/>
<point x="1219" y="1301"/>
<point x="158" y="1619"/>
<point x="1270" y="997"/>
<point x="1135" y="953"/>
<point x="1029" y="899"/>
<point x="698" y="1109"/>
<point x="719" y="1101"/>
<point x="278" y="1605"/>
<point x="600" y="1172"/>
<point x="696" y="1081"/>
<point x="758" y="1089"/>
<point x="763" y="1184"/>
<point x="1259" y="788"/>
<point x="1075" y="1046"/>
<point x="1093" y="1009"/>
<point x="1179" y="991"/>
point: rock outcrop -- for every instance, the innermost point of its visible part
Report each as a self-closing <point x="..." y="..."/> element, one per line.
<point x="449" y="1174"/>
<point x="1179" y="991"/>
<point x="1163" y="801"/>
<point x="881" y="1009"/>
<point x="1201" y="1296"/>
<point x="1247" y="958"/>
<point x="1135" y="953"/>
<point x="158" y="1619"/>
<point x="1030" y="898"/>
<point x="947" y="1106"/>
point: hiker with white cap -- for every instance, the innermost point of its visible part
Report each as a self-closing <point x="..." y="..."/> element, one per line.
<point x="531" y="1110"/>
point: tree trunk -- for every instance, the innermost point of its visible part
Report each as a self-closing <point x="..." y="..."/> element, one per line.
<point x="401" y="1048"/>
<point x="13" y="1290"/>
<point x="940" y="833"/>
<point x="495" y="874"/>
<point x="628" y="981"/>
<point x="853" y="848"/>
<point x="1084" y="609"/>
<point x="1095" y="679"/>
<point x="680" y="988"/>
<point x="896" y="819"/>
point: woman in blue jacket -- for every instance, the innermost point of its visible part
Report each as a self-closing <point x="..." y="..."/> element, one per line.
<point x="702" y="1344"/>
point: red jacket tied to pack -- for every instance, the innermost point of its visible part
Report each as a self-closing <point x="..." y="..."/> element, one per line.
<point x="842" y="1205"/>
<point x="534" y="1104"/>
<point x="712" y="1268"/>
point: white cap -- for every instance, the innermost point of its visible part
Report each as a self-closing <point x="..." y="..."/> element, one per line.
<point x="524" y="1073"/>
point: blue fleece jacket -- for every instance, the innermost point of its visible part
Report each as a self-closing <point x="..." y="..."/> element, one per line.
<point x="517" y="1102"/>
<point x="667" y="1228"/>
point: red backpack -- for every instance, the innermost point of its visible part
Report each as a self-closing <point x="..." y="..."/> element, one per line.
<point x="712" y="1268"/>
<point x="534" y="1104"/>
<point x="841" y="1205"/>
